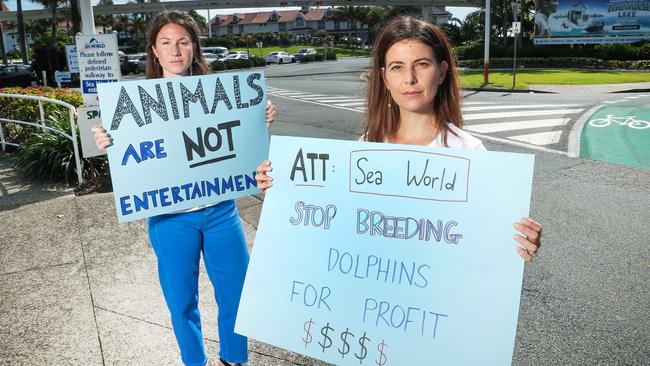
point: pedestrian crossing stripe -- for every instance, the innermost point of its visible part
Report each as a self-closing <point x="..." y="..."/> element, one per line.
<point x="537" y="139"/>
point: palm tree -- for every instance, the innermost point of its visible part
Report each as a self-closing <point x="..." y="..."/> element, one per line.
<point x="106" y="20"/>
<point x="199" y="19"/>
<point x="53" y="5"/>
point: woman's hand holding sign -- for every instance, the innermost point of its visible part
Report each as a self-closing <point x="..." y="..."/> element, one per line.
<point x="270" y="113"/>
<point x="102" y="138"/>
<point x="530" y="240"/>
<point x="264" y="181"/>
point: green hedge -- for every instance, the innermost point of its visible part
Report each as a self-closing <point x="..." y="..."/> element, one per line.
<point x="27" y="110"/>
<point x="253" y="61"/>
<point x="318" y="57"/>
<point x="559" y="62"/>
<point x="622" y="52"/>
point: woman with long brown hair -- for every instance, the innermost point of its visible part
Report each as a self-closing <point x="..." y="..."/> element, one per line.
<point x="180" y="238"/>
<point x="414" y="98"/>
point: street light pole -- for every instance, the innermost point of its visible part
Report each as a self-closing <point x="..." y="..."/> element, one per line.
<point x="516" y="28"/>
<point x="486" y="54"/>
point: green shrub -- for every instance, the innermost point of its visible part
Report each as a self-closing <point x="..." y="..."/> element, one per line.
<point x="218" y="66"/>
<point x="308" y="58"/>
<point x="27" y="110"/>
<point x="50" y="156"/>
<point x="558" y="62"/>
<point x="257" y="61"/>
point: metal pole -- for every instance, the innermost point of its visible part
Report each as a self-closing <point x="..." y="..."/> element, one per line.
<point x="209" y="25"/>
<point x="486" y="55"/>
<point x="87" y="17"/>
<point x="514" y="60"/>
<point x="75" y="147"/>
<point x="2" y="45"/>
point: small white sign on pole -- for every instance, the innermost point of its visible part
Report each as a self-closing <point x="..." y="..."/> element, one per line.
<point x="516" y="28"/>
<point x="99" y="62"/>
<point x="61" y="77"/>
<point x="87" y="118"/>
<point x="71" y="57"/>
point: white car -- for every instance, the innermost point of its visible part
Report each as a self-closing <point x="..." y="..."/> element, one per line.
<point x="279" y="57"/>
<point x="236" y="56"/>
<point x="210" y="57"/>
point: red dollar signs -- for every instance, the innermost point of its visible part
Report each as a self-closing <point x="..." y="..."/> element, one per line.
<point x="307" y="339"/>
<point x="382" y="357"/>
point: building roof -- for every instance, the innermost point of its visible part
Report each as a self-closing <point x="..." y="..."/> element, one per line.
<point x="438" y="11"/>
<point x="283" y="16"/>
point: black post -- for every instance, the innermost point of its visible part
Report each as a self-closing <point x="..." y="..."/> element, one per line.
<point x="2" y="46"/>
<point x="21" y="32"/>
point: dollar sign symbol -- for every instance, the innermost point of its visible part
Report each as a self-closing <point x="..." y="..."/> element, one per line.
<point x="382" y="357"/>
<point x="346" y="346"/>
<point x="307" y="326"/>
<point x="364" y="351"/>
<point x="327" y="341"/>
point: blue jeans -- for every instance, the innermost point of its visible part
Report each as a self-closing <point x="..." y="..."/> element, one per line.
<point x="178" y="240"/>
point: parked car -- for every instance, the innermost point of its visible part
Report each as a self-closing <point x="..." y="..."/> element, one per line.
<point x="279" y="57"/>
<point x="210" y="57"/>
<point x="236" y="56"/>
<point x="129" y="63"/>
<point x="221" y="52"/>
<point x="17" y="75"/>
<point x="304" y="52"/>
<point x="142" y="63"/>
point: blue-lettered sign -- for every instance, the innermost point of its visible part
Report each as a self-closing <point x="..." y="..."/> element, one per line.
<point x="383" y="254"/>
<point x="180" y="143"/>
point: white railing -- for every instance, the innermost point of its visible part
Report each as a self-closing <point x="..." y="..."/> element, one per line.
<point x="72" y="111"/>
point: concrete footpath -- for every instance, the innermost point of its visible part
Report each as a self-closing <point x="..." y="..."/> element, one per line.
<point x="77" y="288"/>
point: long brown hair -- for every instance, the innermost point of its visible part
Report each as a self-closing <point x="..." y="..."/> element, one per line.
<point x="199" y="66"/>
<point x="383" y="121"/>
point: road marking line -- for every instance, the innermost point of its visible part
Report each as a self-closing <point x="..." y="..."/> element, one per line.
<point x="522" y="106"/>
<point x="334" y="99"/>
<point x="477" y="103"/>
<point x="517" y="125"/>
<point x="517" y="143"/>
<point x="478" y="135"/>
<point x="475" y="116"/>
<point x="353" y="104"/>
<point x="321" y="104"/>
<point x="540" y="138"/>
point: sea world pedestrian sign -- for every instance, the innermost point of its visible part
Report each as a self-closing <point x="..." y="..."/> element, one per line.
<point x="98" y="63"/>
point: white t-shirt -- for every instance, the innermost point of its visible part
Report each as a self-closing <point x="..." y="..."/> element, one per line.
<point x="461" y="140"/>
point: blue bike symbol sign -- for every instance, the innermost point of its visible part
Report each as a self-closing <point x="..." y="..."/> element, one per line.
<point x="629" y="121"/>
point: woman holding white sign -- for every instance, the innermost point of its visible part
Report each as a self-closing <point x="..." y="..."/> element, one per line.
<point x="178" y="239"/>
<point x="414" y="98"/>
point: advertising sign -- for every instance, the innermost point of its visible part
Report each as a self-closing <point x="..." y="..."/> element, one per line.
<point x="591" y="21"/>
<point x="98" y="63"/>
<point x="386" y="254"/>
<point x="180" y="143"/>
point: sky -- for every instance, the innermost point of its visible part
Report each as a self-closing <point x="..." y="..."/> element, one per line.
<point x="458" y="12"/>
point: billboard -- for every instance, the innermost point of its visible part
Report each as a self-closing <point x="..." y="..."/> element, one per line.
<point x="591" y="21"/>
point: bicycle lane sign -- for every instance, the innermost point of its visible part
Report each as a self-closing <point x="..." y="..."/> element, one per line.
<point x="619" y="135"/>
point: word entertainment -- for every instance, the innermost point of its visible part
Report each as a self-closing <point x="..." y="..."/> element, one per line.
<point x="178" y="94"/>
<point x="174" y="195"/>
